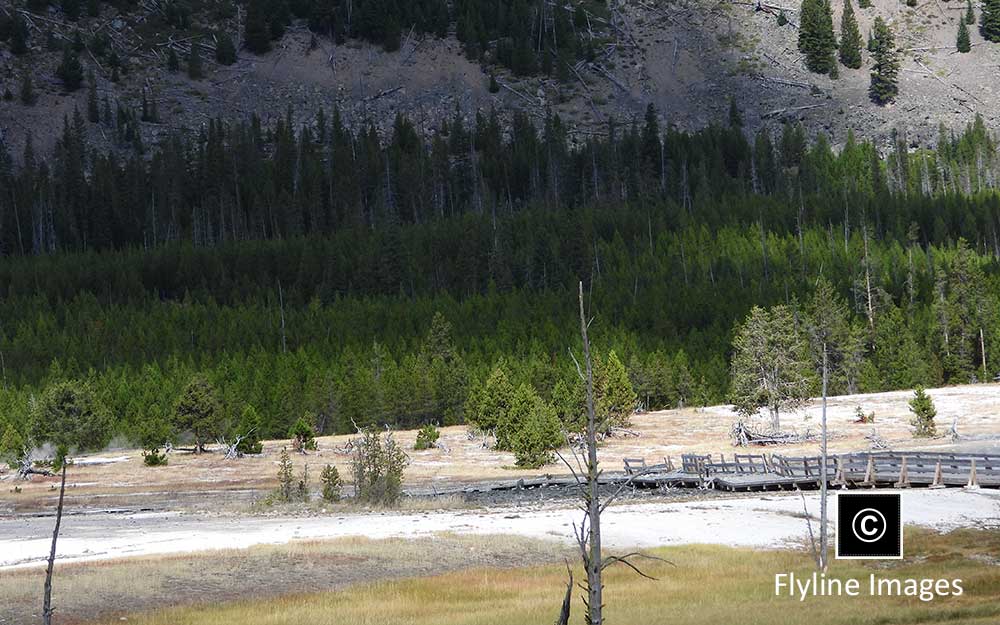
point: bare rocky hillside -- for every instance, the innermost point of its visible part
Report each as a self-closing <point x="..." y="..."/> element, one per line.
<point x="687" y="57"/>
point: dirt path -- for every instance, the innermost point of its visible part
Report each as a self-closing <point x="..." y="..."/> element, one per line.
<point x="776" y="519"/>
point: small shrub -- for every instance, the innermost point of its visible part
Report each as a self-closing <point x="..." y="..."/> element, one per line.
<point x="427" y="436"/>
<point x="285" y="477"/>
<point x="922" y="407"/>
<point x="302" y="435"/>
<point x="377" y="464"/>
<point x="332" y="486"/>
<point x="302" y="489"/>
<point x="861" y="417"/>
<point x="154" y="458"/>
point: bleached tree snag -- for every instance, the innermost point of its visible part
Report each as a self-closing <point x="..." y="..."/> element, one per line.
<point x="567" y="604"/>
<point x="47" y="608"/>
<point x="588" y="533"/>
<point x="823" y="521"/>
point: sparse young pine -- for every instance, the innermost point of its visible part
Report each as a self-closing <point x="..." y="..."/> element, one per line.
<point x="816" y="38"/>
<point x="377" y="464"/>
<point x="850" y="38"/>
<point x="970" y="14"/>
<point x="225" y="50"/>
<point x="771" y="364"/>
<point x="922" y="407"/>
<point x="426" y="437"/>
<point x="782" y="19"/>
<point x="332" y="485"/>
<point x="302" y="487"/>
<point x="494" y="85"/>
<point x="885" y="68"/>
<point x="962" y="43"/>
<point x="865" y="4"/>
<point x="989" y="20"/>
<point x="286" y="478"/>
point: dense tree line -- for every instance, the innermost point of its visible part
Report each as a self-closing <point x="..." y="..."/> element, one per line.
<point x="343" y="279"/>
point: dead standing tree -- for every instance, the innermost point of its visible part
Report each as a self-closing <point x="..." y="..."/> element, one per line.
<point x="47" y="609"/>
<point x="587" y="475"/>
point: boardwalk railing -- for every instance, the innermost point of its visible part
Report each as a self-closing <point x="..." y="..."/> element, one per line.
<point x="760" y="472"/>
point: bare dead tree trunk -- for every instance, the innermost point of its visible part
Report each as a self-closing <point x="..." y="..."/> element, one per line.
<point x="47" y="601"/>
<point x="593" y="559"/>
<point x="823" y="522"/>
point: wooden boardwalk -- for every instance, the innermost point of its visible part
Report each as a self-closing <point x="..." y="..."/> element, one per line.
<point x="749" y="472"/>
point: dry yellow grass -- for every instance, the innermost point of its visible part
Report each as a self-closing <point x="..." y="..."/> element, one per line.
<point x="706" y="586"/>
<point x="106" y="589"/>
<point x="188" y="478"/>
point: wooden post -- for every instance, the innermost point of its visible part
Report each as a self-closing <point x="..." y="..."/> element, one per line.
<point x="973" y="483"/>
<point x="870" y="474"/>
<point x="938" y="478"/>
<point x="840" y="479"/>
<point x="904" y="476"/>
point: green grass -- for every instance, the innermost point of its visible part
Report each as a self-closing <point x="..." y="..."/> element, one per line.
<point x="705" y="586"/>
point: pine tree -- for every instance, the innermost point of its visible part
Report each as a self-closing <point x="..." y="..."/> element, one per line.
<point x="850" y="38"/>
<point x="989" y="20"/>
<point x="816" y="38"/>
<point x="173" y="63"/>
<point x="28" y="97"/>
<point x="615" y="400"/>
<point x="970" y="14"/>
<point x="70" y="72"/>
<point x="195" y="71"/>
<point x="256" y="32"/>
<point x="93" y="111"/>
<point x="19" y="35"/>
<point x="198" y="411"/>
<point x="962" y="43"/>
<point x="225" y="50"/>
<point x="865" y="4"/>
<point x="922" y="407"/>
<point x="885" y="69"/>
<point x="332" y="485"/>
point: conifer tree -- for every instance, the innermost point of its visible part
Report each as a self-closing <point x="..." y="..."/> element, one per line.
<point x="962" y="42"/>
<point x="816" y="38"/>
<point x="19" y="35"/>
<point x="173" y="63"/>
<point x="28" y="97"/>
<point x="93" y="111"/>
<point x="922" y="407"/>
<point x="970" y="14"/>
<point x="865" y="4"/>
<point x="850" y="38"/>
<point x="70" y="72"/>
<point x="198" y="411"/>
<point x="256" y="31"/>
<point x="989" y="20"/>
<point x="225" y="50"/>
<point x="195" y="71"/>
<point x="885" y="69"/>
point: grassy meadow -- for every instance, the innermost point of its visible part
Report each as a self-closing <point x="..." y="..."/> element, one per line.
<point x="702" y="585"/>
